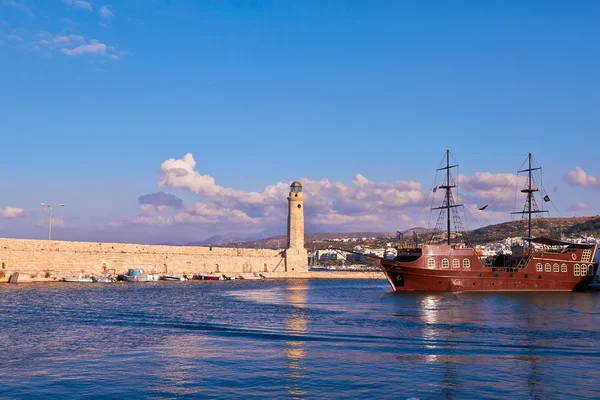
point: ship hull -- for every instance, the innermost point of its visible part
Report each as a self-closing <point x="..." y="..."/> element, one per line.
<point x="414" y="279"/>
<point x="559" y="272"/>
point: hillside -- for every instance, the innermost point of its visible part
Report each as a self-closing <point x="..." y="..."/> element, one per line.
<point x="550" y="227"/>
<point x="279" y="242"/>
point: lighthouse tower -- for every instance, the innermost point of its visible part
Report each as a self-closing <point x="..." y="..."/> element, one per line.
<point x="296" y="257"/>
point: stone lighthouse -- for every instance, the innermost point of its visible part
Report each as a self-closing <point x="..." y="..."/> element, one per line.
<point x="296" y="257"/>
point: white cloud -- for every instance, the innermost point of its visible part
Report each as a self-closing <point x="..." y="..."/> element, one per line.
<point x="67" y="40"/>
<point x="19" y="6"/>
<point x="14" y="37"/>
<point x="330" y="202"/>
<point x="361" y="204"/>
<point x="495" y="189"/>
<point x="106" y="11"/>
<point x="85" y="5"/>
<point x="57" y="222"/>
<point x="12" y="212"/>
<point x="578" y="206"/>
<point x="578" y="177"/>
<point x="94" y="47"/>
<point x="155" y="220"/>
<point x="75" y="45"/>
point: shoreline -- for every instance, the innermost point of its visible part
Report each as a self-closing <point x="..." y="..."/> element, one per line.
<point x="337" y="275"/>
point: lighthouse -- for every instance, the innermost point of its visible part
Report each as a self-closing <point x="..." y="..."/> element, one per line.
<point x="296" y="257"/>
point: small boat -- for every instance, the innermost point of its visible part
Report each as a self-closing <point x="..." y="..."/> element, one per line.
<point x="79" y="279"/>
<point x="251" y="277"/>
<point x="173" y="278"/>
<point x="209" y="277"/>
<point x="138" y="275"/>
<point x="107" y="277"/>
<point x="228" y="278"/>
<point x="104" y="279"/>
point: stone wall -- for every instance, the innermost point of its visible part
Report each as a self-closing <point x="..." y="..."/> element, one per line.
<point x="58" y="258"/>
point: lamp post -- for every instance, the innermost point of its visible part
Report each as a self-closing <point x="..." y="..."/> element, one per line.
<point x="50" y="222"/>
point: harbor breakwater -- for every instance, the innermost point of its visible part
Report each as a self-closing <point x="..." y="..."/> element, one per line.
<point x="45" y="260"/>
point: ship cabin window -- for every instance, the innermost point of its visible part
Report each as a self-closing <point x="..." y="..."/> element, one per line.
<point x="538" y="267"/>
<point x="583" y="270"/>
<point x="445" y="263"/>
<point x="576" y="270"/>
<point x="431" y="263"/>
<point x="548" y="267"/>
<point x="586" y="256"/>
<point x="591" y="270"/>
<point x="563" y="268"/>
<point x="555" y="268"/>
<point x="466" y="263"/>
<point x="456" y="263"/>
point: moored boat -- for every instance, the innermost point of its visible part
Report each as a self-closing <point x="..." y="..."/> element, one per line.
<point x="78" y="279"/>
<point x="138" y="275"/>
<point x="172" y="278"/>
<point x="209" y="277"/>
<point x="104" y="279"/>
<point x="250" y="277"/>
<point x="107" y="277"/>
<point x="536" y="264"/>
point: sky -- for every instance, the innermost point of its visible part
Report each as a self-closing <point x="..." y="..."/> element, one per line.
<point x="173" y="121"/>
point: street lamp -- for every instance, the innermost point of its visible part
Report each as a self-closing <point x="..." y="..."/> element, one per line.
<point x="50" y="223"/>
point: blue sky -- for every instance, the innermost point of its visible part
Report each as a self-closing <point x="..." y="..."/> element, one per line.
<point x="97" y="95"/>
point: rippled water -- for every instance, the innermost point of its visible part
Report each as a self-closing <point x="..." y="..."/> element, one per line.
<point x="294" y="339"/>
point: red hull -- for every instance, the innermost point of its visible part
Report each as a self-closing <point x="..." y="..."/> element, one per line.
<point x="561" y="271"/>
<point x="210" y="278"/>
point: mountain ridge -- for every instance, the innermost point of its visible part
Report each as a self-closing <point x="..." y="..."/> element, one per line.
<point x="551" y="227"/>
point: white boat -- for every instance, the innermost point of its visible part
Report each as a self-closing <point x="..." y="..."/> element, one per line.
<point x="108" y="277"/>
<point x="172" y="278"/>
<point x="79" y="279"/>
<point x="250" y="277"/>
<point x="104" y="279"/>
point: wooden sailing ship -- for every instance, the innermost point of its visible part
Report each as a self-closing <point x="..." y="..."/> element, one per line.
<point x="537" y="264"/>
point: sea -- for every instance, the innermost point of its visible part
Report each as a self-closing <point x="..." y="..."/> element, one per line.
<point x="294" y="339"/>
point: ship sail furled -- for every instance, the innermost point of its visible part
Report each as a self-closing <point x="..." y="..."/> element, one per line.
<point x="531" y="206"/>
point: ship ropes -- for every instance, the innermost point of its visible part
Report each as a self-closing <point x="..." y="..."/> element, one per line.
<point x="531" y="207"/>
<point x="448" y="211"/>
<point x="452" y="219"/>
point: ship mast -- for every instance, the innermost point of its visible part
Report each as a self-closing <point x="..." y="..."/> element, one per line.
<point x="448" y="187"/>
<point x="530" y="190"/>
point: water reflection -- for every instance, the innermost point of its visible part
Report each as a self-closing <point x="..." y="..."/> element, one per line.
<point x="429" y="317"/>
<point x="431" y="312"/>
<point x="295" y="323"/>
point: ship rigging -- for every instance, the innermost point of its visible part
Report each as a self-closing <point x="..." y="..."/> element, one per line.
<point x="447" y="266"/>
